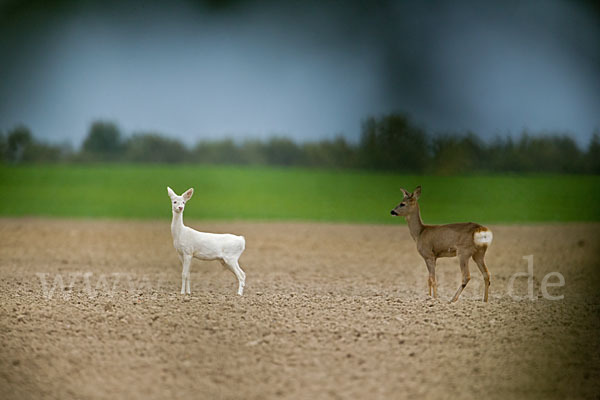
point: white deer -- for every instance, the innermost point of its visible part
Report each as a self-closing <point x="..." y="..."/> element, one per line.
<point x="464" y="240"/>
<point x="190" y="243"/>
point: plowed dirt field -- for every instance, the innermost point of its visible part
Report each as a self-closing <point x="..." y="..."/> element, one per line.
<point x="92" y="310"/>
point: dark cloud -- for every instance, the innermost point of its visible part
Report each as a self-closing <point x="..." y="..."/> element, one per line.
<point x="197" y="69"/>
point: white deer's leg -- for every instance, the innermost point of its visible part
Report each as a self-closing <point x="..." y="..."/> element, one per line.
<point x="234" y="266"/>
<point x="241" y="275"/>
<point x="185" y="273"/>
<point x="182" y="274"/>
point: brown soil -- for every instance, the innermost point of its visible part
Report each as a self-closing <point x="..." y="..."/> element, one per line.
<point x="330" y="311"/>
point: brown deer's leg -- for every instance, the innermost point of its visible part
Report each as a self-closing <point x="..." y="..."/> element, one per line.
<point x="466" y="276"/>
<point x="478" y="258"/>
<point x="431" y="283"/>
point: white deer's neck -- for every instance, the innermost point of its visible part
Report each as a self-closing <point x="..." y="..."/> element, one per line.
<point x="176" y="224"/>
<point x="415" y="223"/>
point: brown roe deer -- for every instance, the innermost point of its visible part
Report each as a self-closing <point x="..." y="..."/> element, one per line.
<point x="463" y="240"/>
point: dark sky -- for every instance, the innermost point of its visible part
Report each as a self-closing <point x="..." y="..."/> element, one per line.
<point x="307" y="70"/>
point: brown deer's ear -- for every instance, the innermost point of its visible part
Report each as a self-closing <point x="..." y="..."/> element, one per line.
<point x="417" y="193"/>
<point x="406" y="193"/>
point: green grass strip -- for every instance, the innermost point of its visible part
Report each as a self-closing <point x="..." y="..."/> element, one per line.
<point x="266" y="193"/>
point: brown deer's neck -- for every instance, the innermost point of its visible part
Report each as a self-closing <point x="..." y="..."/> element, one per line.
<point x="415" y="224"/>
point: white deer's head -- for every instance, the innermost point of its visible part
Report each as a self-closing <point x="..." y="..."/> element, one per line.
<point x="178" y="202"/>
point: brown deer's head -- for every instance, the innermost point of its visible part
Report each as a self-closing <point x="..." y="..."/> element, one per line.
<point x="408" y="203"/>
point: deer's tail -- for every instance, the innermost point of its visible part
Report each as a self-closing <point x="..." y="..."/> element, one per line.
<point x="483" y="237"/>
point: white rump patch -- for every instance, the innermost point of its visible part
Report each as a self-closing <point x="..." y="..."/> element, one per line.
<point x="483" y="238"/>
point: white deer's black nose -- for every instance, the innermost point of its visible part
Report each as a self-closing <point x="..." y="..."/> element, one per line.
<point x="393" y="212"/>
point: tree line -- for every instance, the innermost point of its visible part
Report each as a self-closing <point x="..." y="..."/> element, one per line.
<point x="390" y="142"/>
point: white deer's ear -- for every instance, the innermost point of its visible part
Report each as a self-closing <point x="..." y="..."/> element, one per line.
<point x="417" y="193"/>
<point x="406" y="193"/>
<point x="170" y="192"/>
<point x="188" y="194"/>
